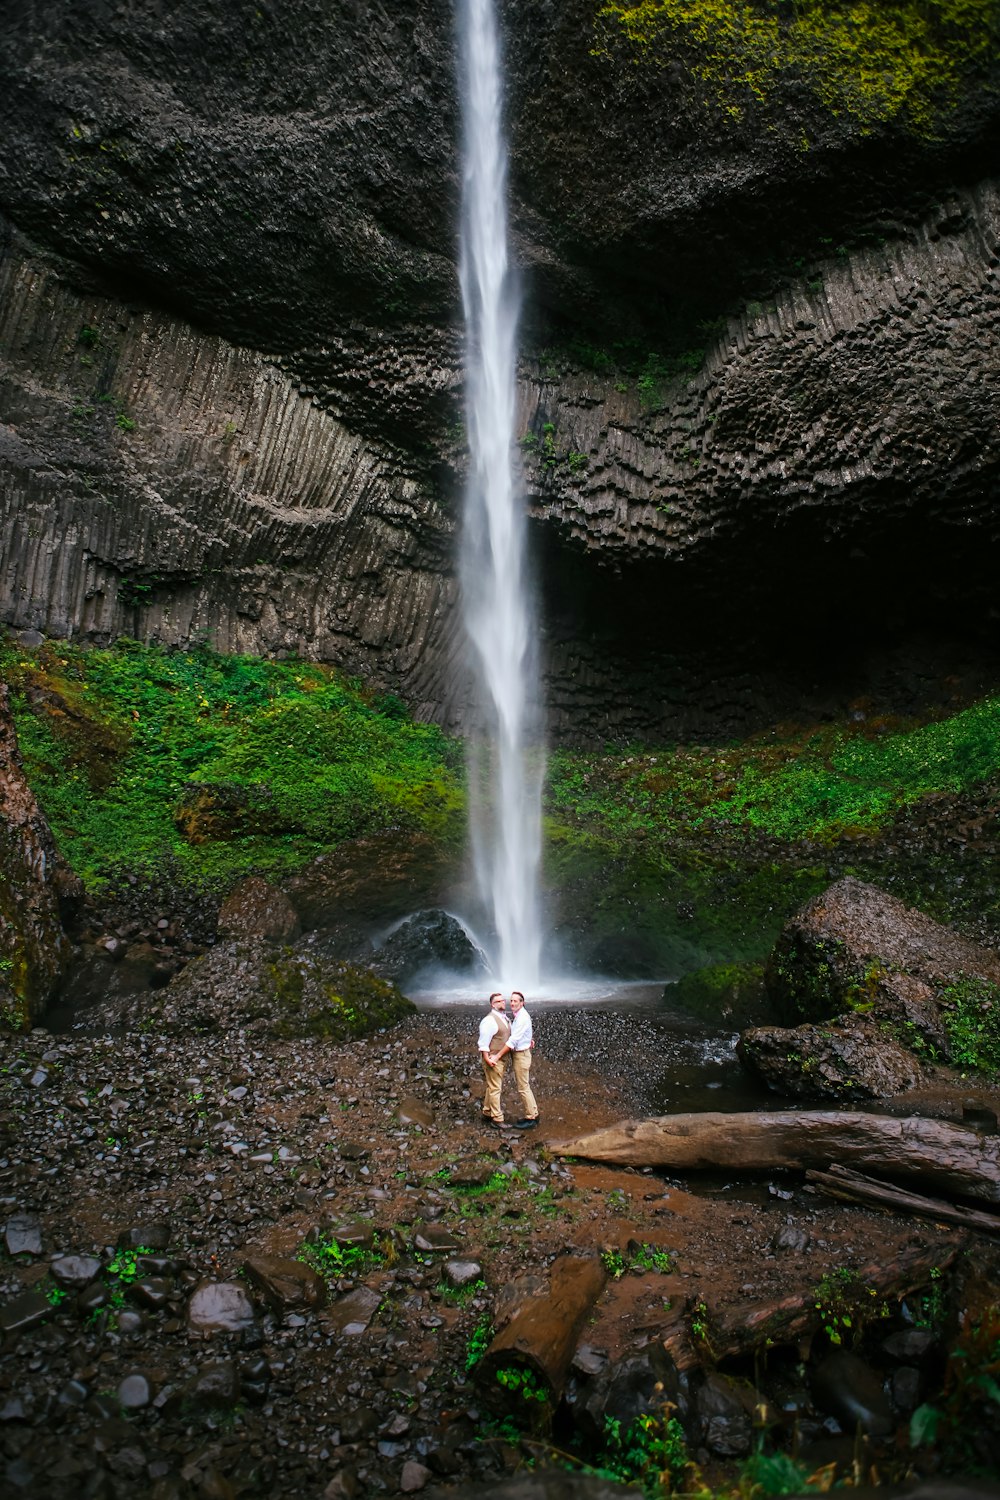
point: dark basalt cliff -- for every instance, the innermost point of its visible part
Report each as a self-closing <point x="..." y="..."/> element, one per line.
<point x="230" y="356"/>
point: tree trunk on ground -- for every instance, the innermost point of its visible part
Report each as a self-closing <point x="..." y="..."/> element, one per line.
<point x="542" y="1336"/>
<point x="853" y="1187"/>
<point x="741" y="1328"/>
<point x="951" y="1158"/>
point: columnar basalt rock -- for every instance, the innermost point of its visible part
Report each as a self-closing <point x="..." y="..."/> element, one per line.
<point x="274" y="464"/>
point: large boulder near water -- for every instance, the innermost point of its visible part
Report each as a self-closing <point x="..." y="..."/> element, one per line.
<point x="856" y="949"/>
<point x="34" y="948"/>
<point x="427" y="940"/>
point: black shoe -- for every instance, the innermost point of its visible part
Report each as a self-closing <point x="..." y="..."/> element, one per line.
<point x="526" y="1124"/>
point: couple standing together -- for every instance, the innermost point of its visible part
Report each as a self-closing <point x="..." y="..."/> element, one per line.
<point x="497" y="1038"/>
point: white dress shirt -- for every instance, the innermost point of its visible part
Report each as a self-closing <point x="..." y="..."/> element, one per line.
<point x="520" y="1032"/>
<point x="488" y="1028"/>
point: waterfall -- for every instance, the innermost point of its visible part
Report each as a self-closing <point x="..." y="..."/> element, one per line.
<point x="506" y="760"/>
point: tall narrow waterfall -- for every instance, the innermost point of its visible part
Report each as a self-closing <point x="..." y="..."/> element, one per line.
<point x="505" y="766"/>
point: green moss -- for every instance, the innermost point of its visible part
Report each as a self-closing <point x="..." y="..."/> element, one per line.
<point x="868" y="60"/>
<point x="217" y="764"/>
<point x="340" y="1003"/>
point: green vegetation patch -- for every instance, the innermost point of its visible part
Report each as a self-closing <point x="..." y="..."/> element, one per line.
<point x="217" y="764"/>
<point x="970" y="1010"/>
<point x="868" y="60"/>
<point x="817" y="786"/>
<point x="332" y="1260"/>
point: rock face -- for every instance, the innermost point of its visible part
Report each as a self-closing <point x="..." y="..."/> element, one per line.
<point x="230" y="360"/>
<point x="34" y="948"/>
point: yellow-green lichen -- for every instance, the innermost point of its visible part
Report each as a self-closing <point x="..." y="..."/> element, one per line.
<point x="869" y="60"/>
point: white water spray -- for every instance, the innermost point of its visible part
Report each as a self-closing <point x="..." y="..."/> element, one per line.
<point x="504" y="772"/>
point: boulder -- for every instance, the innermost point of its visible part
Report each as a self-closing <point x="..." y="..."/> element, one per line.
<point x="428" y="940"/>
<point x="854" y="948"/>
<point x="220" y="1307"/>
<point x="854" y="1059"/>
<point x="255" y="908"/>
<point x="280" y="992"/>
<point x="285" y="1283"/>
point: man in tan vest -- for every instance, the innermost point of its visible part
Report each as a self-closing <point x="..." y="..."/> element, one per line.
<point x="494" y="1030"/>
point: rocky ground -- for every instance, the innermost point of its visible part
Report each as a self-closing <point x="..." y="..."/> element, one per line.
<point x="160" y="1339"/>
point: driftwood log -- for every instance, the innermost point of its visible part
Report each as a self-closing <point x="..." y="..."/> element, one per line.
<point x="542" y="1336"/>
<point x="740" y="1329"/>
<point x="950" y="1158"/>
<point x="854" y="1187"/>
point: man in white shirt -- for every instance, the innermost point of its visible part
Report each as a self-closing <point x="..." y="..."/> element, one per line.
<point x="519" y="1044"/>
<point x="494" y="1029"/>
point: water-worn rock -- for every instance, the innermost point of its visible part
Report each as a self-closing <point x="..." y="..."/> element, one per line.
<point x="857" y="948"/>
<point x="220" y="1306"/>
<point x="851" y="1060"/>
<point x="285" y="1283"/>
<point x="22" y="1235"/>
<point x="725" y="1410"/>
<point x="352" y="1313"/>
<point x="75" y="1271"/>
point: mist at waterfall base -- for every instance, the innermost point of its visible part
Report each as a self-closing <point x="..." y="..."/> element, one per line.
<point x="506" y="757"/>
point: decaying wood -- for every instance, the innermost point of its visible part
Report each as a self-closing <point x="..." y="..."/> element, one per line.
<point x="740" y="1329"/>
<point x="854" y="1187"/>
<point x="950" y="1158"/>
<point x="542" y="1336"/>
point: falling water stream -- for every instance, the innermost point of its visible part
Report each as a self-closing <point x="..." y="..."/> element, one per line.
<point x="506" y="759"/>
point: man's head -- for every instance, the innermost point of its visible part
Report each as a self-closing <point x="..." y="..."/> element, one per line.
<point x="496" y="1001"/>
<point x="516" y="1000"/>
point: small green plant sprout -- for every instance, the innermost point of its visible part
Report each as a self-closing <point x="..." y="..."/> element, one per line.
<point x="578" y="463"/>
<point x="529" y="442"/>
<point x="88" y="336"/>
<point x="524" y="1383"/>
<point x="614" y="1263"/>
<point x="480" y="1340"/>
<point x="54" y="1295"/>
<point x="124" y="1267"/>
<point x="700" y="1324"/>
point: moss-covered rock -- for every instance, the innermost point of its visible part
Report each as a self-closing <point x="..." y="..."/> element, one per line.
<point x="277" y="991"/>
<point x="856" y="949"/>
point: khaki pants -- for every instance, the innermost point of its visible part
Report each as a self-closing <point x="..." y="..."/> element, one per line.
<point x="494" y="1078"/>
<point x="522" y="1068"/>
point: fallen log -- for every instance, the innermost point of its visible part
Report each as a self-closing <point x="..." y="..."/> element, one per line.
<point x="540" y="1340"/>
<point x="949" y="1157"/>
<point x="854" y="1187"/>
<point x="858" y="1294"/>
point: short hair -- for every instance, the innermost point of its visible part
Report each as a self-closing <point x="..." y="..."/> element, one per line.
<point x="518" y="994"/>
<point x="498" y="995"/>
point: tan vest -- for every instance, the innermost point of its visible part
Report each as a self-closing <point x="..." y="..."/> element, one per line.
<point x="502" y="1033"/>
